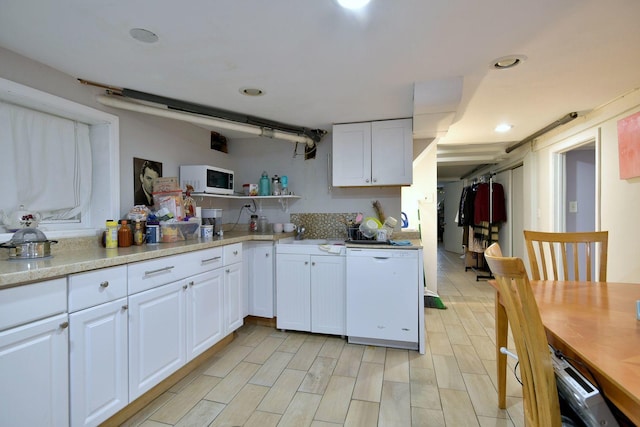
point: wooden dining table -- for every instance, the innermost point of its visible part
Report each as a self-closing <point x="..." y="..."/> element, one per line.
<point x="593" y="323"/>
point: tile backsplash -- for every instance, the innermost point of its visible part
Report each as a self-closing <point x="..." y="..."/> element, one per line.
<point x="333" y="226"/>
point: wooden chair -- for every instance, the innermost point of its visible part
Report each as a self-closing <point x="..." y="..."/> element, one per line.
<point x="543" y="247"/>
<point x="540" y="396"/>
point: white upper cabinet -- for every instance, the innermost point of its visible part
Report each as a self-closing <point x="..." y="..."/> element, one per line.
<point x="373" y="153"/>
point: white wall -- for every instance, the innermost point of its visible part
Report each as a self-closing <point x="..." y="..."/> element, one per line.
<point x="173" y="143"/>
<point x="619" y="199"/>
<point x="422" y="196"/>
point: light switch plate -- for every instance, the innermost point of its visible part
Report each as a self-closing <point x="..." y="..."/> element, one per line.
<point x="573" y="206"/>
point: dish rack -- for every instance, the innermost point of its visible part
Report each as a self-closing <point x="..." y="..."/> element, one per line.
<point x="354" y="233"/>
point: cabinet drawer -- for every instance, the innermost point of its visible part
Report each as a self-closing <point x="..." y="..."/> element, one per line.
<point x="232" y="253"/>
<point x="27" y="303"/>
<point x="145" y="275"/>
<point x="97" y="287"/>
<point x="209" y="259"/>
<point x="149" y="274"/>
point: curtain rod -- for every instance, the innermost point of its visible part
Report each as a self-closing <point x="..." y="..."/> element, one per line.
<point x="566" y="119"/>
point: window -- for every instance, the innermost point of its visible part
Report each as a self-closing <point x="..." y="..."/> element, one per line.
<point x="74" y="181"/>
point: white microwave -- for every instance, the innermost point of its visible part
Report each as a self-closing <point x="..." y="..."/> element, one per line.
<point x="206" y="179"/>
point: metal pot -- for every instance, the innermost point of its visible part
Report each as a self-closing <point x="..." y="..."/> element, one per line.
<point x="28" y="243"/>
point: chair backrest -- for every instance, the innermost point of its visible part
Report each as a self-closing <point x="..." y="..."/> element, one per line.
<point x="543" y="248"/>
<point x="540" y="395"/>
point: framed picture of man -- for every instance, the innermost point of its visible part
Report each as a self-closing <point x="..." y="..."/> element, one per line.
<point x="144" y="173"/>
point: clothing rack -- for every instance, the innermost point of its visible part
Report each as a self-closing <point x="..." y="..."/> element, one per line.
<point x="485" y="221"/>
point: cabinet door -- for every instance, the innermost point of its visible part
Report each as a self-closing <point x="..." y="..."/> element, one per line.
<point x="34" y="368"/>
<point x="233" y="297"/>
<point x="328" y="295"/>
<point x="351" y="157"/>
<point x="392" y="152"/>
<point x="98" y="362"/>
<point x="205" y="314"/>
<point x="260" y="278"/>
<point x="156" y="336"/>
<point x="293" y="296"/>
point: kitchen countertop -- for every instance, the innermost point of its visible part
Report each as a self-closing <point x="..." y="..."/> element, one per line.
<point x="72" y="258"/>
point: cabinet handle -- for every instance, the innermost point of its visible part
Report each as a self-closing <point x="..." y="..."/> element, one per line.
<point x="125" y="307"/>
<point x="313" y="263"/>
<point x="104" y="284"/>
<point x="160" y="270"/>
<point x="191" y="283"/>
<point x="228" y="270"/>
<point x="375" y="180"/>
<point x="235" y="252"/>
<point x="215" y="258"/>
<point x="306" y="263"/>
<point x="266" y="255"/>
<point x="366" y="180"/>
<point x="184" y="287"/>
<point x="64" y="325"/>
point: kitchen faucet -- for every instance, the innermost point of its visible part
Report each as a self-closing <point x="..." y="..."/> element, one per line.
<point x="300" y="233"/>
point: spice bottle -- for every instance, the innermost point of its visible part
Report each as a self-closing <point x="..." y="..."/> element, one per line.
<point x="111" y="236"/>
<point x="125" y="235"/>
<point x="253" y="223"/>
<point x="138" y="233"/>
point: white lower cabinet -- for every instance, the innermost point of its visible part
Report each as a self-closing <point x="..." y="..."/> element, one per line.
<point x="328" y="315"/>
<point x="311" y="293"/>
<point x="171" y="324"/>
<point x="259" y="265"/>
<point x="34" y="355"/>
<point x="157" y="342"/>
<point x="98" y="362"/>
<point x="34" y="369"/>
<point x="233" y="285"/>
<point x="98" y="345"/>
<point x="205" y="312"/>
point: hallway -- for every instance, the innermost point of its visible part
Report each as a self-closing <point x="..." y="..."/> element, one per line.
<point x="267" y="377"/>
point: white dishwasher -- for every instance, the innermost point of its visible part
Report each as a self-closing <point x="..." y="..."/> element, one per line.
<point x="383" y="297"/>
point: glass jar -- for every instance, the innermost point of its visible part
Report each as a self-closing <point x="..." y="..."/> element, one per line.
<point x="253" y="223"/>
<point x="263" y="224"/>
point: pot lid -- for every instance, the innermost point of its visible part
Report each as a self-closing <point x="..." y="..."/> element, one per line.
<point x="27" y="235"/>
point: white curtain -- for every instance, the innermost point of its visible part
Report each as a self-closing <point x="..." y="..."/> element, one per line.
<point x="46" y="163"/>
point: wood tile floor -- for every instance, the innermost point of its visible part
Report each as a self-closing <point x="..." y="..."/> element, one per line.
<point x="267" y="377"/>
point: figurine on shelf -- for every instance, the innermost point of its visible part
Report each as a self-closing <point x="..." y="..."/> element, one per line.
<point x="189" y="203"/>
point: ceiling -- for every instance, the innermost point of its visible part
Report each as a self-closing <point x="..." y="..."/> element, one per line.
<point x="319" y="64"/>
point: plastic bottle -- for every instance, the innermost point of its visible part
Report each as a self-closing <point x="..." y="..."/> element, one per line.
<point x="125" y="235"/>
<point x="138" y="233"/>
<point x="284" y="182"/>
<point x="253" y="223"/>
<point x="111" y="236"/>
<point x="264" y="188"/>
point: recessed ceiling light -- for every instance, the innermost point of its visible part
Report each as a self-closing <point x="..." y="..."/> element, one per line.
<point x="251" y="91"/>
<point x="507" y="62"/>
<point x="143" y="35"/>
<point x="503" y="127"/>
<point x="353" y="4"/>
